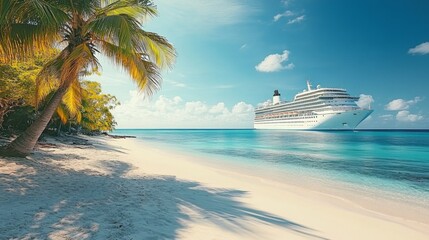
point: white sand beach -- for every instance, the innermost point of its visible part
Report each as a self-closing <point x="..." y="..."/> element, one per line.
<point x="127" y="189"/>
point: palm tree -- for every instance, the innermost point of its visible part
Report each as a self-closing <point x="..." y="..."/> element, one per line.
<point x="80" y="29"/>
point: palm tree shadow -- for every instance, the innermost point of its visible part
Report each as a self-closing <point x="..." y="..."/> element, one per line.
<point x="43" y="200"/>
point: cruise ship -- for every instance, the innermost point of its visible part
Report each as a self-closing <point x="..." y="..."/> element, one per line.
<point x="312" y="109"/>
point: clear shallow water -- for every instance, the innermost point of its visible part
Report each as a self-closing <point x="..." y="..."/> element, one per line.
<point x="396" y="162"/>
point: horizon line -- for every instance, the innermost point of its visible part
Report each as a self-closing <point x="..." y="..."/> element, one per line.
<point x="361" y="129"/>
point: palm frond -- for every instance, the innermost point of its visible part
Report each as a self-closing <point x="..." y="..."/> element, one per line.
<point x="41" y="12"/>
<point x="118" y="29"/>
<point x="62" y="114"/>
<point x="49" y="76"/>
<point x="66" y="67"/>
<point x="139" y="9"/>
<point x="81" y="58"/>
<point x="160" y="50"/>
<point x="124" y="31"/>
<point x="43" y="88"/>
<point x="28" y="26"/>
<point x="144" y="73"/>
<point x="84" y="8"/>
<point x="73" y="98"/>
<point x="79" y="117"/>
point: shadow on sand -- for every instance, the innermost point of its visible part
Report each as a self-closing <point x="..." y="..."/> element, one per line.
<point x="44" y="200"/>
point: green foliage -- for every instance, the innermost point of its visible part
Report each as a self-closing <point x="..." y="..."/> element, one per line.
<point x="17" y="87"/>
<point x="96" y="106"/>
<point x="19" y="119"/>
<point x="94" y="115"/>
<point x="17" y="80"/>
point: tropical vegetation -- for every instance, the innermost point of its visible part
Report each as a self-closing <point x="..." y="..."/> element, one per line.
<point x="18" y="104"/>
<point x="81" y="31"/>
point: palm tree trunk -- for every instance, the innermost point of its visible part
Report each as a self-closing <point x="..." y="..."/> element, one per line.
<point x="24" y="144"/>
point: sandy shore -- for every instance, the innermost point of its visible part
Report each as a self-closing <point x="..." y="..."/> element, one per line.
<point x="125" y="189"/>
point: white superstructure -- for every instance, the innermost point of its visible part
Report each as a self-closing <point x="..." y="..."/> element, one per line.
<point x="315" y="109"/>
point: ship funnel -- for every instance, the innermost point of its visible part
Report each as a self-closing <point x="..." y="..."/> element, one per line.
<point x="276" y="97"/>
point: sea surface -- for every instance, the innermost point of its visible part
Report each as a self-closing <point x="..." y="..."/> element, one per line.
<point x="394" y="163"/>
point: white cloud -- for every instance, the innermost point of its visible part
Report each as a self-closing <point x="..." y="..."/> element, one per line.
<point x="285" y="14"/>
<point x="397" y="104"/>
<point x="198" y="108"/>
<point x="163" y="104"/>
<point x="421" y="49"/>
<point x="165" y="112"/>
<point x="242" y="108"/>
<point x="277" y="17"/>
<point x="219" y="108"/>
<point x="273" y="63"/>
<point x="296" y="20"/>
<point x="290" y="66"/>
<point x="401" y="104"/>
<point x="406" y="116"/>
<point x="264" y="104"/>
<point x="365" y="101"/>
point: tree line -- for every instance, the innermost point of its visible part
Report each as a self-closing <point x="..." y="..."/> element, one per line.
<point x="19" y="106"/>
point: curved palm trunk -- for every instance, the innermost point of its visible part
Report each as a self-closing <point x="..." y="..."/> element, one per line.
<point x="24" y="144"/>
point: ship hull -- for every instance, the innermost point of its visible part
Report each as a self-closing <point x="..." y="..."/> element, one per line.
<point x="346" y="120"/>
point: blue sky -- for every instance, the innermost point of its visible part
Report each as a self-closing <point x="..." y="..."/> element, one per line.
<point x="232" y="54"/>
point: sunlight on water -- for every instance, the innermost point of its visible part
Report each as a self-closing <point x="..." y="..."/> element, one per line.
<point x="396" y="162"/>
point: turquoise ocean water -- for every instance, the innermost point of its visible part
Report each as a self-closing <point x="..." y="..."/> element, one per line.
<point x="395" y="163"/>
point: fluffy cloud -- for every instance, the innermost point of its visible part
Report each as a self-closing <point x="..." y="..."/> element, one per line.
<point x="421" y="49"/>
<point x="401" y="104"/>
<point x="406" y="116"/>
<point x="365" y="101"/>
<point x="397" y="104"/>
<point x="285" y="14"/>
<point x="274" y="63"/>
<point x="266" y="103"/>
<point x="196" y="108"/>
<point x="219" y="108"/>
<point x="165" y="112"/>
<point x="296" y="20"/>
<point x="242" y="108"/>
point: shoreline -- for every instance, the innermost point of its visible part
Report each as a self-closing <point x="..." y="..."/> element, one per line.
<point x="128" y="187"/>
<point x="374" y="202"/>
<point x="366" y="198"/>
